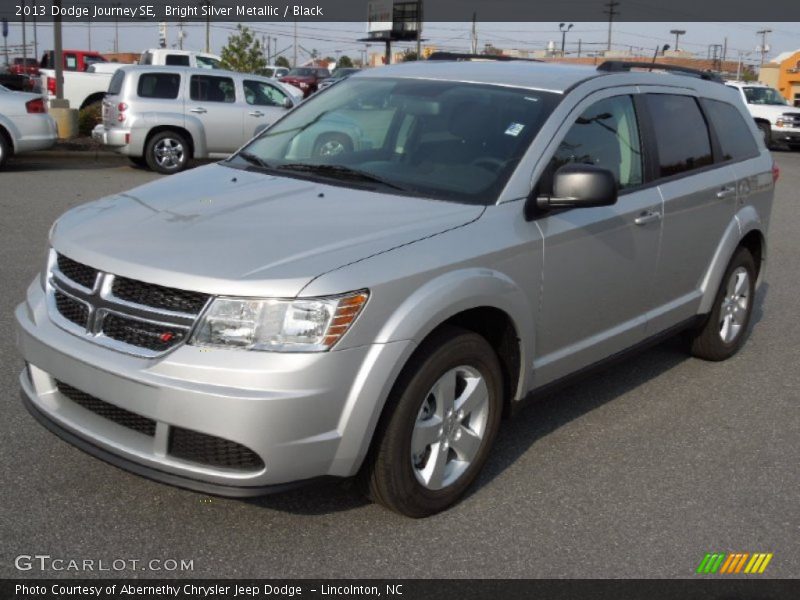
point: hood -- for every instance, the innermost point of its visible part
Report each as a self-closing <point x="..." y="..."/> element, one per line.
<point x="771" y="111"/>
<point x="222" y="230"/>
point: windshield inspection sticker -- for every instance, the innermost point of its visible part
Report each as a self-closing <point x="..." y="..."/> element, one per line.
<point x="515" y="129"/>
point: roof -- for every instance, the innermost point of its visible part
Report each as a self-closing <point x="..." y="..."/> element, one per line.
<point x="784" y="56"/>
<point x="553" y="77"/>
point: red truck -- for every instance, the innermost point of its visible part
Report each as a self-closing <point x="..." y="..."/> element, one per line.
<point x="24" y="66"/>
<point x="74" y="60"/>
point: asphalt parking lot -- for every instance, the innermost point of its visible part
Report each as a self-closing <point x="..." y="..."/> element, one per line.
<point x="636" y="472"/>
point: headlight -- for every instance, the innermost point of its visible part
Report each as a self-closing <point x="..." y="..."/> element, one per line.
<point x="311" y="325"/>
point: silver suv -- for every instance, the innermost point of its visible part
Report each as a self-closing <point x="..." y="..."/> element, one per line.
<point x="162" y="117"/>
<point x="482" y="232"/>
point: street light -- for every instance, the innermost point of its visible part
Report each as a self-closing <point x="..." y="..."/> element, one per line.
<point x="677" y="33"/>
<point x="564" y="31"/>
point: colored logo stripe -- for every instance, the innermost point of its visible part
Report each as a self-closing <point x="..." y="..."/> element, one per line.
<point x="723" y="563"/>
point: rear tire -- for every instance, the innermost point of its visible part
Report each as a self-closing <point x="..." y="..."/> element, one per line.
<point x="332" y="144"/>
<point x="167" y="152"/>
<point x="438" y="426"/>
<point x="766" y="134"/>
<point x="5" y="148"/>
<point x="725" y="330"/>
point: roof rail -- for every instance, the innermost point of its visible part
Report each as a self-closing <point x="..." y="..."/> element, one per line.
<point x="617" y="66"/>
<point x="477" y="57"/>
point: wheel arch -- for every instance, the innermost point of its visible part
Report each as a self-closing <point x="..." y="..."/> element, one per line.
<point x="92" y="98"/>
<point x="182" y="130"/>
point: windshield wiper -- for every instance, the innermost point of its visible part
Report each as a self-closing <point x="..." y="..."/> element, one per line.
<point x="340" y="172"/>
<point x="254" y="160"/>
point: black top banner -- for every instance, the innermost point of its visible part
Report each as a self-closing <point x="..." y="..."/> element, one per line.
<point x="377" y="10"/>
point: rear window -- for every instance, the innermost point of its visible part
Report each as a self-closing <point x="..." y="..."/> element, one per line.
<point x="159" y="85"/>
<point x="115" y="85"/>
<point x="681" y="134"/>
<point x="177" y="60"/>
<point x="735" y="138"/>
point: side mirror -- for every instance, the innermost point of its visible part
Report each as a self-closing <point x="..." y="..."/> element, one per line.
<point x="577" y="185"/>
<point x="287" y="102"/>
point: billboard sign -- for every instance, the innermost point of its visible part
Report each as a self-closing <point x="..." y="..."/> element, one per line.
<point x="380" y="15"/>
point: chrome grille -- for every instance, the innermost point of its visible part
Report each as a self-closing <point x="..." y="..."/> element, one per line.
<point x="130" y="316"/>
<point x="792" y="118"/>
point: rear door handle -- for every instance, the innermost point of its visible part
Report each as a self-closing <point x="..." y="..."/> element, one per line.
<point x="199" y="110"/>
<point x="256" y="113"/>
<point x="647" y="217"/>
<point x="726" y="192"/>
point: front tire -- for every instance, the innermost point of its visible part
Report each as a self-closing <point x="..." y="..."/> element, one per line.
<point x="725" y="330"/>
<point x="167" y="152"/>
<point x="5" y="149"/>
<point x="438" y="427"/>
<point x="766" y="134"/>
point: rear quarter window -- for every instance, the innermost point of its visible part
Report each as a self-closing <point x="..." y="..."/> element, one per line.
<point x="177" y="60"/>
<point x="115" y="85"/>
<point x="159" y="85"/>
<point x="681" y="134"/>
<point x="735" y="138"/>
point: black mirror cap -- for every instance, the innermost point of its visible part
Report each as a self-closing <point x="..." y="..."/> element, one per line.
<point x="577" y="185"/>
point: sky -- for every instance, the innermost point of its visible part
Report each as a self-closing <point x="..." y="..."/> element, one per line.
<point x="328" y="38"/>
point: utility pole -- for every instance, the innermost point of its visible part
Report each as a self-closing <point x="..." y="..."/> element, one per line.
<point x="763" y="49"/>
<point x="58" y="52"/>
<point x="116" y="31"/>
<point x="208" y="26"/>
<point x="294" y="47"/>
<point x="419" y="29"/>
<point x="24" y="40"/>
<point x="35" y="40"/>
<point x="677" y="33"/>
<point x="5" y="38"/>
<point x="89" y="33"/>
<point x="474" y="33"/>
<point x="724" y="50"/>
<point x="564" y="31"/>
<point x="611" y="12"/>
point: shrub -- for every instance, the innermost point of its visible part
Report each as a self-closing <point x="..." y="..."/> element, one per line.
<point x="89" y="117"/>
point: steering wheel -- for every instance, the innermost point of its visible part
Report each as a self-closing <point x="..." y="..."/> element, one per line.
<point x="488" y="163"/>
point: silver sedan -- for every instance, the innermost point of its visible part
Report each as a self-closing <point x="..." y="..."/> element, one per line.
<point x="24" y="124"/>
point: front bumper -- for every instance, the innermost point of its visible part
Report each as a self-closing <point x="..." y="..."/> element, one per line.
<point x="305" y="415"/>
<point x="788" y="136"/>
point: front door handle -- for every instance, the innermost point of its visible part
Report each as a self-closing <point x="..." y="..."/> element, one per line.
<point x="199" y="110"/>
<point x="647" y="217"/>
<point x="726" y="192"/>
<point x="256" y="113"/>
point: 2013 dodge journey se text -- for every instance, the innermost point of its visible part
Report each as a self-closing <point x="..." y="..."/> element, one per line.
<point x="367" y="286"/>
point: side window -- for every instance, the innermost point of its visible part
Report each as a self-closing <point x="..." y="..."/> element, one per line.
<point x="206" y="88"/>
<point x="735" y="138"/>
<point x="206" y="62"/>
<point x="159" y="85"/>
<point x="681" y="134"/>
<point x="605" y="135"/>
<point x="70" y="62"/>
<point x="259" y="93"/>
<point x="177" y="60"/>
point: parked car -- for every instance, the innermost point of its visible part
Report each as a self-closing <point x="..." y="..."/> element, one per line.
<point x="337" y="76"/>
<point x="24" y="124"/>
<point x="273" y="71"/>
<point x="73" y="60"/>
<point x="162" y="117"/>
<point x="25" y="66"/>
<point x="180" y="58"/>
<point x="776" y="119"/>
<point x="278" y="317"/>
<point x="14" y="82"/>
<point x="306" y="78"/>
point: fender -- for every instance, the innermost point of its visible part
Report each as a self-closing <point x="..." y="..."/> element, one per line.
<point x="423" y="311"/>
<point x="743" y="222"/>
<point x="149" y="121"/>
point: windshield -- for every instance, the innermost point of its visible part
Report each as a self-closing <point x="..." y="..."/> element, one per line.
<point x="302" y="72"/>
<point x="764" y="95"/>
<point x="441" y="139"/>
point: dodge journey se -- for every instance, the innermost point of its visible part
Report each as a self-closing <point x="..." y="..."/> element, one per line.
<point x="371" y="284"/>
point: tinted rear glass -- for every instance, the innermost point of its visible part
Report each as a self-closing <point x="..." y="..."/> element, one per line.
<point x="159" y="85"/>
<point x="177" y="60"/>
<point x="735" y="138"/>
<point x="681" y="134"/>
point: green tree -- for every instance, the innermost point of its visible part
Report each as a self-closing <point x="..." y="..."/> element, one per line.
<point x="243" y="52"/>
<point x="282" y="61"/>
<point x="345" y="62"/>
<point x="409" y="55"/>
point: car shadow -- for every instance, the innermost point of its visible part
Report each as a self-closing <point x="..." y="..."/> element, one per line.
<point x="542" y="416"/>
<point x="24" y="164"/>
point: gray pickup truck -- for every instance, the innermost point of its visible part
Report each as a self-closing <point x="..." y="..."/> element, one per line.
<point x="483" y="231"/>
